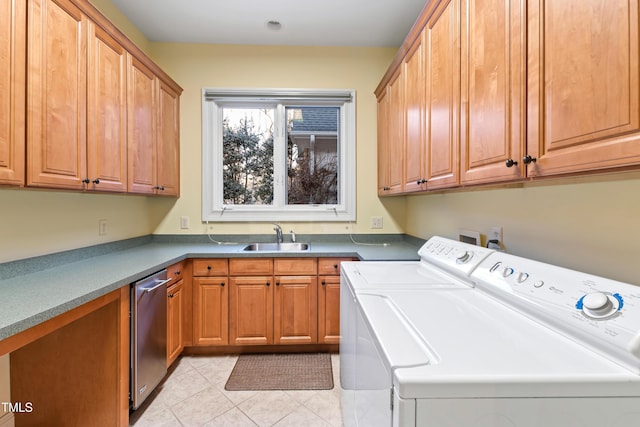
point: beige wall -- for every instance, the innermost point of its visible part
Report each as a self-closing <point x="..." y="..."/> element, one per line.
<point x="195" y="66"/>
<point x="36" y="222"/>
<point x="589" y="224"/>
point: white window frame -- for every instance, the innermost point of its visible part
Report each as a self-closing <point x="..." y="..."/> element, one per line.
<point x="213" y="208"/>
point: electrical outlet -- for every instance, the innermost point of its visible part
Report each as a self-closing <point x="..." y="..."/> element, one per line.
<point x="102" y="227"/>
<point x="375" y="222"/>
<point x="184" y="222"/>
<point x="496" y="234"/>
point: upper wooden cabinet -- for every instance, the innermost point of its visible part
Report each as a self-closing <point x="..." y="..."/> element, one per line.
<point x="106" y="112"/>
<point x="443" y="95"/>
<point x="100" y="115"/>
<point x="12" y="91"/>
<point x="56" y="94"/>
<point x="583" y="85"/>
<point x="168" y="143"/>
<point x="516" y="90"/>
<point x="493" y="97"/>
<point x="141" y="102"/>
<point x="391" y="160"/>
<point x="415" y="162"/>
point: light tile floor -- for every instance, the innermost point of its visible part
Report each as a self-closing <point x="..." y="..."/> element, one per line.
<point x="193" y="395"/>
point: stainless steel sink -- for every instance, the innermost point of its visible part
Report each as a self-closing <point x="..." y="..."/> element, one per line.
<point x="277" y="247"/>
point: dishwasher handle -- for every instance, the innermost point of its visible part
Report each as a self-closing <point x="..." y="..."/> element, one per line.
<point x="159" y="284"/>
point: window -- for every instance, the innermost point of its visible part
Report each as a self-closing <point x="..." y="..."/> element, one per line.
<point x="274" y="155"/>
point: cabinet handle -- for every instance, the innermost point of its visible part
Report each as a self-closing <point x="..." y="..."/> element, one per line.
<point x="170" y="295"/>
<point x="268" y="284"/>
<point x="96" y="181"/>
<point x="323" y="283"/>
<point x="335" y="266"/>
<point x="208" y="267"/>
<point x="86" y="180"/>
<point x="221" y="283"/>
<point x="421" y="181"/>
<point x="278" y="283"/>
<point x="177" y="273"/>
<point x="528" y="159"/>
<point x="510" y="163"/>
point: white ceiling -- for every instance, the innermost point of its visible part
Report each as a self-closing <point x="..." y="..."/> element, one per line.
<point x="304" y="22"/>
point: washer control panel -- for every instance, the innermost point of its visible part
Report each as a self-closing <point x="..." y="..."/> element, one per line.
<point x="603" y="313"/>
<point x="456" y="257"/>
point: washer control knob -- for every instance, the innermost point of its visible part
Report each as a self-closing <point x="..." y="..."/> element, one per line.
<point x="507" y="271"/>
<point x="599" y="305"/>
<point x="522" y="276"/>
<point x="596" y="301"/>
<point x="463" y="256"/>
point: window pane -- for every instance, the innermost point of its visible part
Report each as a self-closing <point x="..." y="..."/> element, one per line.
<point x="312" y="155"/>
<point x="248" y="156"/>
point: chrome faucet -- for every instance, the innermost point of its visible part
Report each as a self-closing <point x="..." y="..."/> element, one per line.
<point x="278" y="231"/>
<point x="293" y="236"/>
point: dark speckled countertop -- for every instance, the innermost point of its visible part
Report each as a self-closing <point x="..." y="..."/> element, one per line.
<point x="37" y="289"/>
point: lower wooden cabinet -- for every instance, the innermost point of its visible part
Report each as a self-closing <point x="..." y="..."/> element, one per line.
<point x="251" y="310"/>
<point x="175" y="321"/>
<point x="266" y="301"/>
<point x="210" y="311"/>
<point x="329" y="310"/>
<point x="295" y="310"/>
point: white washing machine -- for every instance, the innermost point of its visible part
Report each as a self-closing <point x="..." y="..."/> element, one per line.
<point x="529" y="345"/>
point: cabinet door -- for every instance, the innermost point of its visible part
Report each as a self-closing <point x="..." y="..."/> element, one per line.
<point x="443" y="95"/>
<point x="141" y="123"/>
<point x="396" y="142"/>
<point x="175" y="319"/>
<point x="168" y="179"/>
<point x="106" y="113"/>
<point x="329" y="310"/>
<point x="414" y="99"/>
<point x="295" y="310"/>
<point x="583" y="103"/>
<point x="251" y="310"/>
<point x="383" y="144"/>
<point x="13" y="21"/>
<point x="210" y="311"/>
<point x="56" y="94"/>
<point x="493" y="97"/>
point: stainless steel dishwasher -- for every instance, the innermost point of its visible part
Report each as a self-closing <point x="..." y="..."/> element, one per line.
<point x="148" y="335"/>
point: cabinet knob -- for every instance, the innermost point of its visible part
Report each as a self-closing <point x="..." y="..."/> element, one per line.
<point x="221" y="283"/>
<point x="86" y="180"/>
<point x="528" y="159"/>
<point x="170" y="295"/>
<point x="323" y="283"/>
<point x="268" y="284"/>
<point x="208" y="267"/>
<point x="159" y="187"/>
<point x="335" y="266"/>
<point x="510" y="163"/>
<point x="177" y="273"/>
<point x="278" y="283"/>
<point x="421" y="181"/>
<point x="386" y="188"/>
<point x="96" y="181"/>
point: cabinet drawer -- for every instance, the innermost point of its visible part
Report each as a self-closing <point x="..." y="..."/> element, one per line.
<point x="331" y="266"/>
<point x="250" y="266"/>
<point x="210" y="267"/>
<point x="295" y="266"/>
<point x="175" y="272"/>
